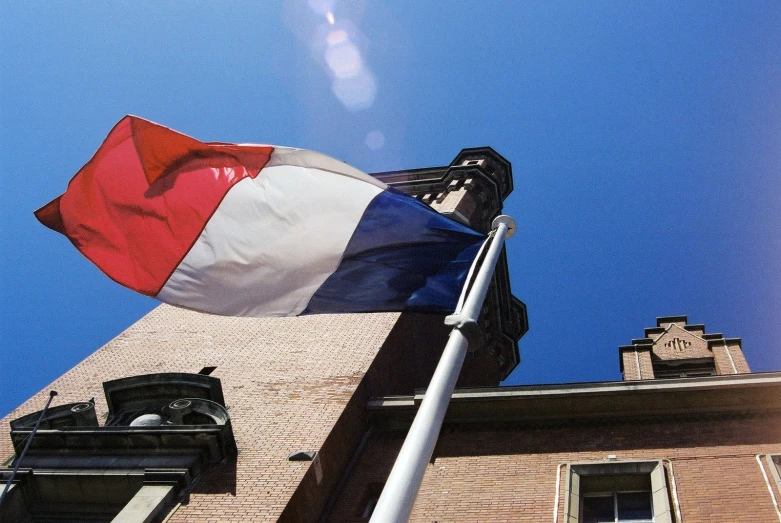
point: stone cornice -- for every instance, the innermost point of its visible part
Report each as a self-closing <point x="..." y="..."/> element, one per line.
<point x="731" y="395"/>
<point x="214" y="443"/>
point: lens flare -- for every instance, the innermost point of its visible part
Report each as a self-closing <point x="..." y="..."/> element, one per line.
<point x="339" y="47"/>
<point x="356" y="92"/>
<point x="344" y="60"/>
<point x="337" y="37"/>
<point x="375" y="140"/>
<point x="322" y="7"/>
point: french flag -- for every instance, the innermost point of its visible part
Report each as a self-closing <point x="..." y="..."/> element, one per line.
<point x="256" y="230"/>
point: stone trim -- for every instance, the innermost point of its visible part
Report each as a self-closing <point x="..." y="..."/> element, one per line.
<point x="146" y="505"/>
<point x="655" y="469"/>
<point x="135" y="391"/>
<point x="682" y="318"/>
<point x="135" y="495"/>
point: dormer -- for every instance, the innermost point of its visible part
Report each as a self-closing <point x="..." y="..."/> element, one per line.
<point x="677" y="349"/>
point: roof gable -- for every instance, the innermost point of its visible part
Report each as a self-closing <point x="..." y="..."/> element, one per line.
<point x="676" y="343"/>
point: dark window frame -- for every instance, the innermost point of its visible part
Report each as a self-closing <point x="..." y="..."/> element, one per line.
<point x="614" y="494"/>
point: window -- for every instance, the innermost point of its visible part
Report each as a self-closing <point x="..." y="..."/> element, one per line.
<point x="774" y="465"/>
<point x="617" y="506"/>
<point x="616" y="492"/>
<point x="694" y="369"/>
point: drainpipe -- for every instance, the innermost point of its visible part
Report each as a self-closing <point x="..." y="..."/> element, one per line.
<point x="675" y="491"/>
<point x="558" y="486"/>
<point x="769" y="486"/>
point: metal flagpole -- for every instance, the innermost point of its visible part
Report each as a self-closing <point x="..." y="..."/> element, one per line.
<point x="401" y="489"/>
<point x="27" y="446"/>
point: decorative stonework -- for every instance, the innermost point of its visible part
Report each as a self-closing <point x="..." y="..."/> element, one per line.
<point x="471" y="190"/>
<point x="69" y="415"/>
<point x="680" y="350"/>
<point x="676" y="343"/>
<point x="162" y="432"/>
<point x="167" y="399"/>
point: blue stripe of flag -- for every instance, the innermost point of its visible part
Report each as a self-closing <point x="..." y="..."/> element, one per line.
<point x="403" y="256"/>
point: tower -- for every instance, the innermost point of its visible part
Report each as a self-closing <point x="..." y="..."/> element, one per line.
<point x="199" y="417"/>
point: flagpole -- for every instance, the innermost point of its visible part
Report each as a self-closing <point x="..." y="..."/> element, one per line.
<point x="401" y="488"/>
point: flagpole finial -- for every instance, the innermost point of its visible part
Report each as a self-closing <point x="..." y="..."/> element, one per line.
<point x="508" y="221"/>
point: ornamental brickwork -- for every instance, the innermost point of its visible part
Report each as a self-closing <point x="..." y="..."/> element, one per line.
<point x="675" y="348"/>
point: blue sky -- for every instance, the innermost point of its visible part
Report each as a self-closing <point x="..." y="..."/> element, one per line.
<point x="645" y="140"/>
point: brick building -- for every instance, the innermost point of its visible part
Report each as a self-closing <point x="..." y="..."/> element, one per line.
<point x="688" y="435"/>
<point x="204" y="418"/>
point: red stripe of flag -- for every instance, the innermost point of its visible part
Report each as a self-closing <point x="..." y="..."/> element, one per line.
<point x="137" y="207"/>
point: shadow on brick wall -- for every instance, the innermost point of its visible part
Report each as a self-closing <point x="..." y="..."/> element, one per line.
<point x="220" y="479"/>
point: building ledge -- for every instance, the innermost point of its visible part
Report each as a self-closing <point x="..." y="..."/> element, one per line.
<point x="213" y="442"/>
<point x="739" y="394"/>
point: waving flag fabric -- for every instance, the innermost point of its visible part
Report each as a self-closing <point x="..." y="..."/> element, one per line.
<point x="256" y="230"/>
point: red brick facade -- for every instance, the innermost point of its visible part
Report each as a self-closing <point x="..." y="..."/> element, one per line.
<point x="290" y="384"/>
<point x="282" y="395"/>
<point x="505" y="454"/>
<point x="509" y="474"/>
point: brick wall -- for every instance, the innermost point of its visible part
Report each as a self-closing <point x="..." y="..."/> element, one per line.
<point x="729" y="357"/>
<point x="735" y="350"/>
<point x="290" y="384"/>
<point x="458" y="202"/>
<point x="495" y="474"/>
<point x="646" y="368"/>
<point x="637" y="364"/>
<point x="286" y="382"/>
